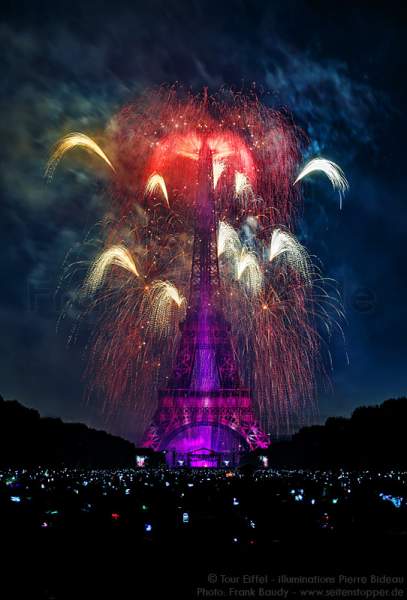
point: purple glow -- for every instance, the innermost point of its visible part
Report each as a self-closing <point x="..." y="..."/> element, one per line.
<point x="205" y="374"/>
<point x="210" y="437"/>
<point x="198" y="444"/>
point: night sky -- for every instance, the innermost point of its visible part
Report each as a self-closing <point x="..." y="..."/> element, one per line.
<point x="339" y="67"/>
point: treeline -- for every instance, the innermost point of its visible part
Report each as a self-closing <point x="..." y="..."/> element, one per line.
<point x="26" y="439"/>
<point x="373" y="437"/>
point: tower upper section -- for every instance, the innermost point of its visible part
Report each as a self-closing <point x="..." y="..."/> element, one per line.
<point x="205" y="361"/>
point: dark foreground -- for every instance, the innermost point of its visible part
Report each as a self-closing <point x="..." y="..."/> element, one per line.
<point x="201" y="534"/>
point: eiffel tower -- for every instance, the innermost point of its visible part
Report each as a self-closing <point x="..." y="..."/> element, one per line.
<point x="205" y="415"/>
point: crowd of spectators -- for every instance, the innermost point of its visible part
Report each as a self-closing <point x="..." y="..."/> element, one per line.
<point x="232" y="507"/>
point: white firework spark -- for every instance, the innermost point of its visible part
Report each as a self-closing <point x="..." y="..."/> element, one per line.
<point x="333" y="171"/>
<point x="160" y="300"/>
<point x="157" y="181"/>
<point x="284" y="243"/>
<point x="70" y="141"/>
<point x="115" y="255"/>
<point x="248" y="271"/>
<point x="228" y="240"/>
<point x="218" y="166"/>
<point x="242" y="184"/>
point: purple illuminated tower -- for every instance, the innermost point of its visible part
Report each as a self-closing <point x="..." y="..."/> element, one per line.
<point x="205" y="416"/>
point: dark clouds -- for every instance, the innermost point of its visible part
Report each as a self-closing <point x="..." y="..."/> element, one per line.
<point x="69" y="67"/>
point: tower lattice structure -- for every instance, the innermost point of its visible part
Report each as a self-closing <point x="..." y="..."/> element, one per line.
<point x="204" y="388"/>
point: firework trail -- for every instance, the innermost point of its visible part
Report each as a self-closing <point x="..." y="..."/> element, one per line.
<point x="161" y="300"/>
<point x="136" y="333"/>
<point x="275" y="298"/>
<point x="218" y="168"/>
<point x="228" y="240"/>
<point x="70" y="141"/>
<point x="283" y="242"/>
<point x="334" y="173"/>
<point x="155" y="182"/>
<point x="249" y="272"/>
<point x="277" y="341"/>
<point x="242" y="184"/>
<point x="116" y="255"/>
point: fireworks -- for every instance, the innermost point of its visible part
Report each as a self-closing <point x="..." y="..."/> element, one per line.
<point x="334" y="173"/>
<point x="242" y="184"/>
<point x="116" y="255"/>
<point x="272" y="294"/>
<point x="155" y="182"/>
<point x="228" y="240"/>
<point x="243" y="189"/>
<point x="160" y="301"/>
<point x="248" y="271"/>
<point x="243" y="264"/>
<point x="70" y="141"/>
<point x="218" y="168"/>
<point x="284" y="243"/>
